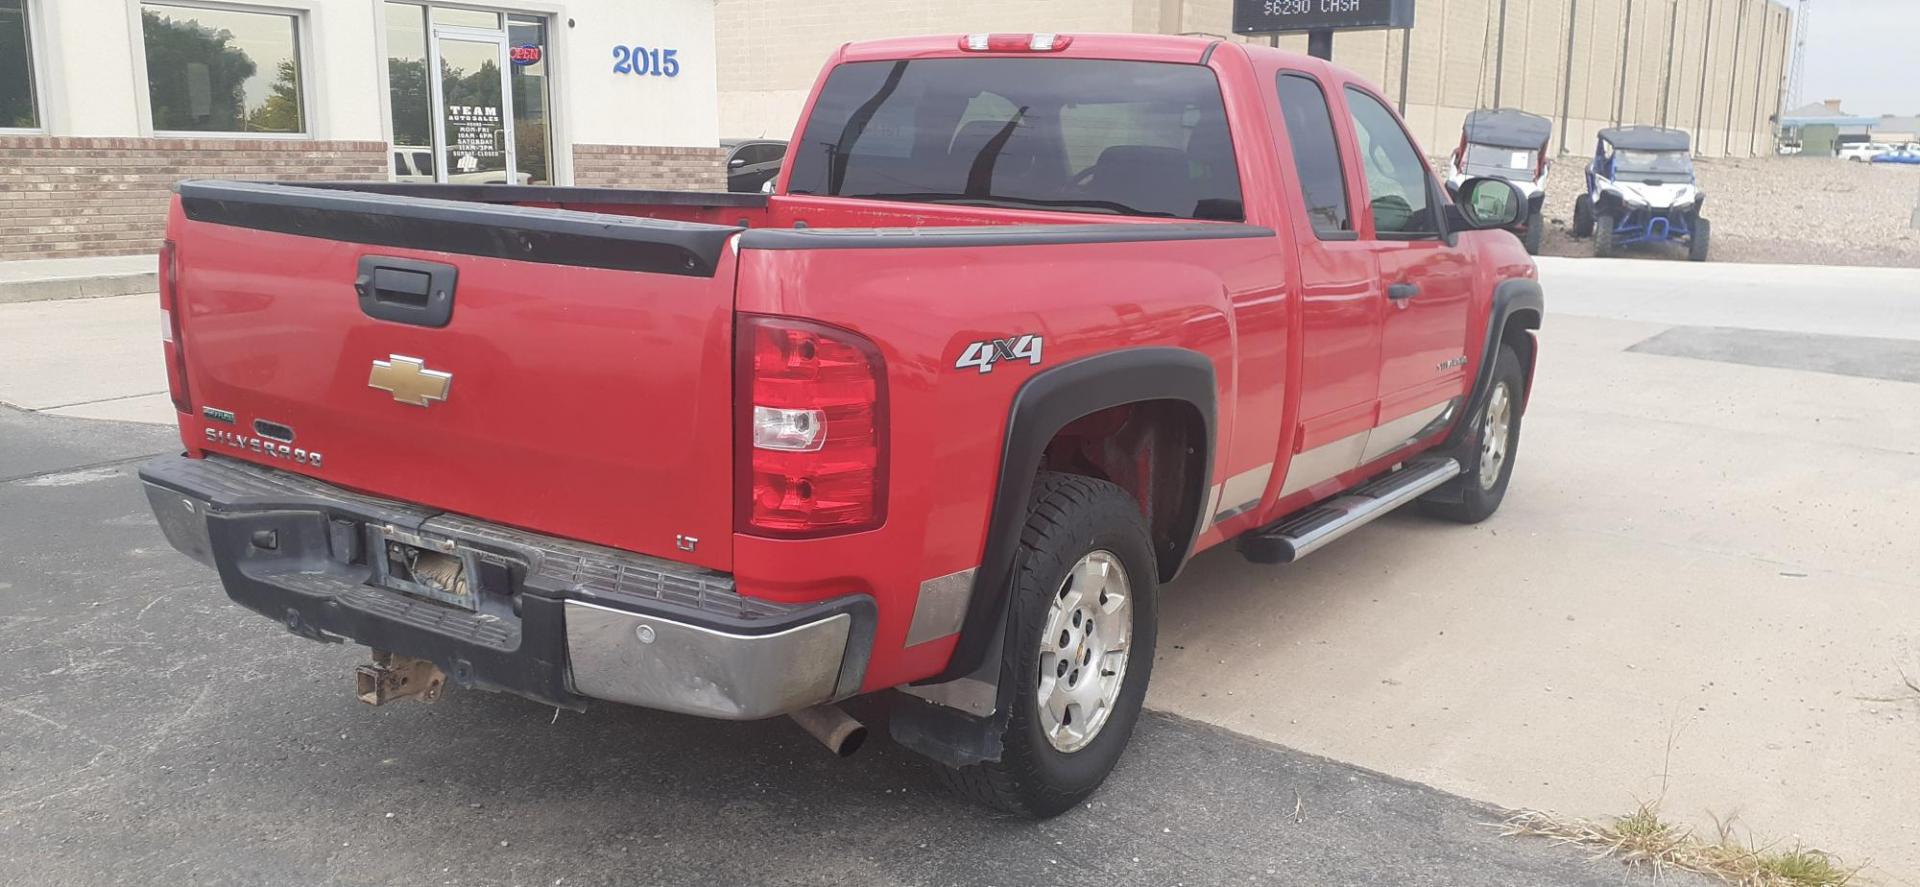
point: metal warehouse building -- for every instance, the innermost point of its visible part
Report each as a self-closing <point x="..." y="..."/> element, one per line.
<point x="1713" y="67"/>
<point x="104" y="104"/>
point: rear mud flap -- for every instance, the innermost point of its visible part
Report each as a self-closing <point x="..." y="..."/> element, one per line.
<point x="948" y="736"/>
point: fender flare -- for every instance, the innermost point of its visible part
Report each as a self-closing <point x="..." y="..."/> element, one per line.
<point x="1516" y="300"/>
<point x="1046" y="403"/>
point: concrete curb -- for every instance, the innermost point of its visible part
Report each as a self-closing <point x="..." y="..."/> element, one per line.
<point x="95" y="287"/>
<point x="46" y="280"/>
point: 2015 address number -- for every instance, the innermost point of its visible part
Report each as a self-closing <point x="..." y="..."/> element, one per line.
<point x="645" y="62"/>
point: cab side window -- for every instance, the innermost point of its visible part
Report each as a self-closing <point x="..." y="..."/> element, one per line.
<point x="1316" y="156"/>
<point x="1399" y="191"/>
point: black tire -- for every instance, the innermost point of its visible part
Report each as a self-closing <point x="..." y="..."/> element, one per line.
<point x="1583" y="216"/>
<point x="1070" y="517"/>
<point x="1536" y="230"/>
<point x="1603" y="225"/>
<point x="1702" y="239"/>
<point x="1467" y="498"/>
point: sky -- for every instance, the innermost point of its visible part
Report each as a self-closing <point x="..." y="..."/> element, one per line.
<point x="1865" y="53"/>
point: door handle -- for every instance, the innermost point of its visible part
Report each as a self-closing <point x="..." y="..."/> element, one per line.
<point x="1401" y="292"/>
<point x="406" y="290"/>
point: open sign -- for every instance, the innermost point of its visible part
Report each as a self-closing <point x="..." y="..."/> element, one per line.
<point x="524" y="55"/>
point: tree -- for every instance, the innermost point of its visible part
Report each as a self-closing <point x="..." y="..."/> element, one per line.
<point x="412" y="107"/>
<point x="281" y="111"/>
<point x="194" y="78"/>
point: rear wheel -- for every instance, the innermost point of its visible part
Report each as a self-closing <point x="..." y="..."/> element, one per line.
<point x="1486" y="455"/>
<point x="1536" y="229"/>
<point x="1603" y="225"/>
<point x="1079" y="648"/>
<point x="1583" y="216"/>
<point x="1702" y="237"/>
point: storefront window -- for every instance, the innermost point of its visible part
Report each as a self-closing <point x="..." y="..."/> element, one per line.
<point x="219" y="70"/>
<point x="466" y="18"/>
<point x="17" y="108"/>
<point x="409" y="92"/>
<point x="527" y="43"/>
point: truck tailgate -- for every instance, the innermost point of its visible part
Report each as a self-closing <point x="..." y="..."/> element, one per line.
<point x="580" y="385"/>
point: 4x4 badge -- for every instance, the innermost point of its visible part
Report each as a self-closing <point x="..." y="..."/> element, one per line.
<point x="987" y="352"/>
<point x="409" y="380"/>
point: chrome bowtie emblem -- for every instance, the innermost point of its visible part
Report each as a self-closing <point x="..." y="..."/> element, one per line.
<point x="409" y="380"/>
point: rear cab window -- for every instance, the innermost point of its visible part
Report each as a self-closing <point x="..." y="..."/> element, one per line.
<point x="1316" y="155"/>
<point x="1074" y="135"/>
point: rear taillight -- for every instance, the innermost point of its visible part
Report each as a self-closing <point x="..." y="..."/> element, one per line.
<point x="812" y="439"/>
<point x="171" y="312"/>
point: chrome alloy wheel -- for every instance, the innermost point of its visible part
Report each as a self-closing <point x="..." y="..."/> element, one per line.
<point x="1494" y="435"/>
<point x="1083" y="650"/>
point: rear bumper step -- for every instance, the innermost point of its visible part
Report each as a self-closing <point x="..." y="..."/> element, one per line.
<point x="554" y="620"/>
<point x="1301" y="534"/>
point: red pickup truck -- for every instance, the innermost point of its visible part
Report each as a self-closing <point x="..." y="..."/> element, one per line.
<point x="1027" y="322"/>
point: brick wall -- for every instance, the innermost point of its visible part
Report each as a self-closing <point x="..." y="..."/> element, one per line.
<point x="631" y="166"/>
<point x="67" y="197"/>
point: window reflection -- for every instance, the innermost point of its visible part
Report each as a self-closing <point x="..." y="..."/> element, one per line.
<point x="215" y="70"/>
<point x="17" y="107"/>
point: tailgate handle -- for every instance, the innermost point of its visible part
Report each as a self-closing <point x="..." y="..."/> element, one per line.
<point x="406" y="290"/>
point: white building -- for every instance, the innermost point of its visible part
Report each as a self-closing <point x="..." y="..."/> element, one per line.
<point x="104" y="104"/>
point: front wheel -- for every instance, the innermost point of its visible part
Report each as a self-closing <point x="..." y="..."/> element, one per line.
<point x="1536" y="229"/>
<point x="1079" y="649"/>
<point x="1583" y="216"/>
<point x="1702" y="237"/>
<point x="1486" y="454"/>
<point x="1603" y="225"/>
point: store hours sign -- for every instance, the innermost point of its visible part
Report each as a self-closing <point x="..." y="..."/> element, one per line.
<point x="1280" y="16"/>
<point x="474" y="138"/>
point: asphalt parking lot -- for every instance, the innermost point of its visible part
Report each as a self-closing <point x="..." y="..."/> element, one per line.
<point x="156" y="734"/>
<point x="1703" y="579"/>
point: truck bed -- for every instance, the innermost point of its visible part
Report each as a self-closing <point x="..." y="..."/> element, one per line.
<point x="587" y="343"/>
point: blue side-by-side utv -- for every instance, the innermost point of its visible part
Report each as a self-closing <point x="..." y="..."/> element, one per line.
<point x="1641" y="189"/>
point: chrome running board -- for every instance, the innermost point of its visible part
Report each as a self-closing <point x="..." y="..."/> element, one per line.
<point x="1302" y="533"/>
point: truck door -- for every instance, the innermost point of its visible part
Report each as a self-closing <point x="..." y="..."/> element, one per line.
<point x="1341" y="295"/>
<point x="1426" y="281"/>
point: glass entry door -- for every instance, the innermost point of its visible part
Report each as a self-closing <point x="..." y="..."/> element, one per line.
<point x="473" y="108"/>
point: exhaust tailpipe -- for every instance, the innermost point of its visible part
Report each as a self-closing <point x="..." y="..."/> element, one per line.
<point x="835" y="729"/>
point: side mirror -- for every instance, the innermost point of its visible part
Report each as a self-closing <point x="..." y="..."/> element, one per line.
<point x="1489" y="202"/>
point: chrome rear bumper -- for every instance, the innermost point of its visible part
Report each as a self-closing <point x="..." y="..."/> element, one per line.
<point x="659" y="663"/>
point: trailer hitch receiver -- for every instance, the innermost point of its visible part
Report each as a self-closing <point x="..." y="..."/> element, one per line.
<point x="389" y="677"/>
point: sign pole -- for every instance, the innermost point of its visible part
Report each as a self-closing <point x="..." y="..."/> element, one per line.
<point x="1320" y="44"/>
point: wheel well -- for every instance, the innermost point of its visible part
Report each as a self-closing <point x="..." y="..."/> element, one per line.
<point x="1518" y="334"/>
<point x="1153" y="449"/>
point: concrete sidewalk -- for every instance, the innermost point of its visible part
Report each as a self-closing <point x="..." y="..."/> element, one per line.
<point x="40" y="280"/>
<point x="87" y="359"/>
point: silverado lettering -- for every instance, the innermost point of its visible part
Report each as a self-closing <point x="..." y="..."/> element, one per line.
<point x="1255" y="334"/>
<point x="268" y="448"/>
